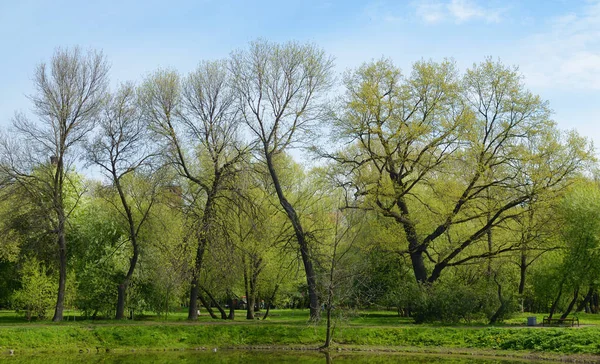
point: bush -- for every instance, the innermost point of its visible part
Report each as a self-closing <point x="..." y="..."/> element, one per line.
<point x="452" y="302"/>
<point x="37" y="291"/>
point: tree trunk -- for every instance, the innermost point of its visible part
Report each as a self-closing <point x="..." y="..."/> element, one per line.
<point x="418" y="264"/>
<point x="329" y="330"/>
<point x="490" y="243"/>
<point x="309" y="270"/>
<point x="62" y="273"/>
<point x="217" y="304"/>
<point x="500" y="309"/>
<point x="121" y="289"/>
<point x="270" y="301"/>
<point x="555" y="303"/>
<point x="586" y="300"/>
<point x="571" y="304"/>
<point x="250" y="308"/>
<point x="201" y="248"/>
<point x="248" y="290"/>
<point x="231" y="308"/>
<point x="193" y="305"/>
<point x="207" y="306"/>
<point x="195" y="288"/>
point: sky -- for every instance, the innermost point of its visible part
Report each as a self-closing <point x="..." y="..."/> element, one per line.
<point x="555" y="43"/>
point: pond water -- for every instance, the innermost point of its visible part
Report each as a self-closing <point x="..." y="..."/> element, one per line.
<point x="239" y="356"/>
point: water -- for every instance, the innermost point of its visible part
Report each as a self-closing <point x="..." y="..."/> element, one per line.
<point x="239" y="356"/>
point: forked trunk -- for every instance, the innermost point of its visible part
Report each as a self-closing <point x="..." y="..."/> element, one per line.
<point x="571" y="304"/>
<point x="207" y="306"/>
<point x="586" y="300"/>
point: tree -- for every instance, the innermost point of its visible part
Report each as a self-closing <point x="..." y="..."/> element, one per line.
<point x="35" y="295"/>
<point x="426" y="150"/>
<point x="580" y="216"/>
<point x="122" y="149"/>
<point x="279" y="87"/>
<point x="68" y="98"/>
<point x="197" y="119"/>
<point x="343" y="267"/>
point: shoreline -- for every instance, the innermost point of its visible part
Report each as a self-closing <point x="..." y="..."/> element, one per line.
<point x="335" y="351"/>
<point x="571" y="345"/>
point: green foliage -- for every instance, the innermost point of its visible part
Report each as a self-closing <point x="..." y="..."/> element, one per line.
<point x="580" y="213"/>
<point x="37" y="290"/>
<point x="453" y="301"/>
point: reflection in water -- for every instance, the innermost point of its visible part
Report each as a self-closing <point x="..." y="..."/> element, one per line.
<point x="239" y="356"/>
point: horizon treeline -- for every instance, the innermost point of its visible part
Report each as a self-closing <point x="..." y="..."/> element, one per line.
<point x="446" y="195"/>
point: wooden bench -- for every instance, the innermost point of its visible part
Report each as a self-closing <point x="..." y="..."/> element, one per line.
<point x="560" y="321"/>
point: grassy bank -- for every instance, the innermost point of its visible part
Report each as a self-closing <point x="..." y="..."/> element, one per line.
<point x="74" y="338"/>
<point x="290" y="330"/>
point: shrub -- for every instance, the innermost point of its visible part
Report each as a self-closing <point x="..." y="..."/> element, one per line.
<point x="37" y="290"/>
<point x="452" y="301"/>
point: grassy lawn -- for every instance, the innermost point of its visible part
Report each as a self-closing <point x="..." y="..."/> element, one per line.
<point x="370" y="329"/>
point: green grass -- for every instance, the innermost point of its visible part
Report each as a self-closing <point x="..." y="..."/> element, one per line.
<point x="378" y="329"/>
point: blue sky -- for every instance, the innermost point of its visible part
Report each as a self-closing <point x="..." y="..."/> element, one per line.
<point x="556" y="43"/>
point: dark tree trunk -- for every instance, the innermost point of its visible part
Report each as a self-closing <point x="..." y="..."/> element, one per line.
<point x="329" y="329"/>
<point x="555" y="303"/>
<point x="309" y="270"/>
<point x="250" y="308"/>
<point x="61" y="239"/>
<point x="62" y="272"/>
<point x="523" y="269"/>
<point x="216" y="303"/>
<point x="231" y="307"/>
<point x="248" y="287"/>
<point x="207" y="306"/>
<point x="195" y="289"/>
<point x="201" y="248"/>
<point x="122" y="288"/>
<point x="414" y="247"/>
<point x="270" y="301"/>
<point x="418" y="264"/>
<point x="490" y="244"/>
<point x="502" y="307"/>
<point x="193" y="305"/>
<point x="586" y="299"/>
<point x="121" y="292"/>
<point x="249" y="301"/>
<point x="571" y="304"/>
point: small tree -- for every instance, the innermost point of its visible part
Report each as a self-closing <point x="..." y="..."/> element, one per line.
<point x="37" y="290"/>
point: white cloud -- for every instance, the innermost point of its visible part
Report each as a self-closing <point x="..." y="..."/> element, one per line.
<point x="430" y="11"/>
<point x="567" y="54"/>
<point x="382" y="12"/>
<point x="464" y="10"/>
<point x="459" y="11"/>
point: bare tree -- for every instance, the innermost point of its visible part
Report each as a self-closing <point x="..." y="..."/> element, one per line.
<point x="279" y="87"/>
<point x="69" y="95"/>
<point x="198" y="122"/>
<point x="122" y="148"/>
